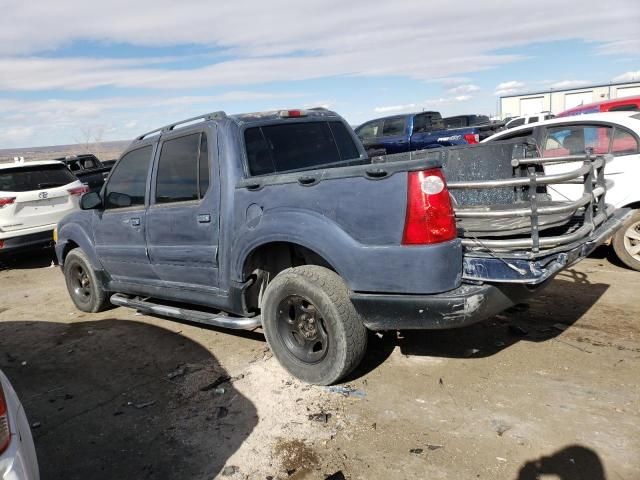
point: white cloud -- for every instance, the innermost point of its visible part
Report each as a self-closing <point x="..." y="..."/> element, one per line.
<point x="396" y="108"/>
<point x="462" y="89"/>
<point x="46" y="122"/>
<point x="433" y="104"/>
<point x="281" y="40"/>
<point x="565" y="84"/>
<point x="508" y="88"/>
<point x="628" y="77"/>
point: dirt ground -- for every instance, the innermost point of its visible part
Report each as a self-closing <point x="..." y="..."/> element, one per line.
<point x="545" y="390"/>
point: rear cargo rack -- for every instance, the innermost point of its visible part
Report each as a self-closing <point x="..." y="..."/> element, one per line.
<point x="531" y="220"/>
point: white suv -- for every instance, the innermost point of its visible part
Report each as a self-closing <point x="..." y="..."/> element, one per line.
<point x="34" y="196"/>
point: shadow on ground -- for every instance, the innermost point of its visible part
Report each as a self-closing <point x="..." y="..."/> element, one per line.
<point x="121" y="399"/>
<point x="571" y="463"/>
<point x="553" y="310"/>
<point x="27" y="259"/>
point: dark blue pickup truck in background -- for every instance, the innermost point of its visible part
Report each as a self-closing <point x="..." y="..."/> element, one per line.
<point x="419" y="131"/>
<point x="280" y="221"/>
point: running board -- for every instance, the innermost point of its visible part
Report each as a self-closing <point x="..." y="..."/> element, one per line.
<point x="224" y="321"/>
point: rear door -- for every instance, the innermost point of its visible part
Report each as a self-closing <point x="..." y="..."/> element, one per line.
<point x="41" y="196"/>
<point x="119" y="229"/>
<point x="183" y="216"/>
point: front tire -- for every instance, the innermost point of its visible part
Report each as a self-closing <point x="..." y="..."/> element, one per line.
<point x="626" y="242"/>
<point x="82" y="283"/>
<point x="311" y="325"/>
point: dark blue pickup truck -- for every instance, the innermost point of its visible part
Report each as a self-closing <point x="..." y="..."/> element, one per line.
<point x="280" y="220"/>
<point x="417" y="131"/>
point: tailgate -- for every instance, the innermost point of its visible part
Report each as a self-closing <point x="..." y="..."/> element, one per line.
<point x="512" y="230"/>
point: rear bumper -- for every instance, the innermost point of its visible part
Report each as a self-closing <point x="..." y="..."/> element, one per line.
<point x="533" y="271"/>
<point x="32" y="240"/>
<point x="465" y="305"/>
<point x="505" y="282"/>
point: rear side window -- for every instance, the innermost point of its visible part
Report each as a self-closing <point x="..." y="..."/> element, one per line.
<point x="183" y="169"/>
<point x="393" y="126"/>
<point x="129" y="179"/>
<point x="574" y="140"/>
<point x="624" y="143"/>
<point x="625" y="108"/>
<point x="425" y="122"/>
<point x="454" y="122"/>
<point x="38" y="177"/>
<point x="532" y="119"/>
<point x="298" y="146"/>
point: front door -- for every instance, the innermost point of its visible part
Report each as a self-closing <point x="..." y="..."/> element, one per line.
<point x="120" y="228"/>
<point x="182" y="219"/>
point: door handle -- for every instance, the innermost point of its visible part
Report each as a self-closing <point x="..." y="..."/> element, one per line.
<point x="135" y="222"/>
<point x="204" y="218"/>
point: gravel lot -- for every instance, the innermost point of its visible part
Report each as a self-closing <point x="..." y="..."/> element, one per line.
<point x="546" y="388"/>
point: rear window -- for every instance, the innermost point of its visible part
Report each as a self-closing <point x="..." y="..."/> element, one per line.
<point x="298" y="146"/>
<point x="38" y="177"/>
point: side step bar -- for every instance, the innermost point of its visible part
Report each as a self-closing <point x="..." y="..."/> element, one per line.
<point x="223" y="321"/>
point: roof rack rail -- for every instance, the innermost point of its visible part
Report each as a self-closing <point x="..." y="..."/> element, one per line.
<point x="167" y="128"/>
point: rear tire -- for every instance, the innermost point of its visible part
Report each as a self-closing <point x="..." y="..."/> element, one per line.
<point x="311" y="325"/>
<point x="626" y="242"/>
<point x="82" y="283"/>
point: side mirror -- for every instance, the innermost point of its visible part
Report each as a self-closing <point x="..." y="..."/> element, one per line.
<point x="90" y="201"/>
<point x="118" y="200"/>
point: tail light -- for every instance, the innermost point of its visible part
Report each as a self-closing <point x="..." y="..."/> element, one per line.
<point x="5" y="432"/>
<point x="472" y="138"/>
<point x="430" y="217"/>
<point x="4" y="201"/>
<point x="78" y="191"/>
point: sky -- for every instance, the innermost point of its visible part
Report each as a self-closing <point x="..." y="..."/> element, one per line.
<point x="78" y="70"/>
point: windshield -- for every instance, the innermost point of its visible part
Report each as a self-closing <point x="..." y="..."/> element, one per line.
<point x="37" y="177"/>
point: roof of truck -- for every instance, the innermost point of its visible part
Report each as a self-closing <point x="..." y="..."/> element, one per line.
<point x="243" y="118"/>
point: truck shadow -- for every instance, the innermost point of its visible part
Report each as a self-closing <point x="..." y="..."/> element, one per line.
<point x="121" y="399"/>
<point x="555" y="309"/>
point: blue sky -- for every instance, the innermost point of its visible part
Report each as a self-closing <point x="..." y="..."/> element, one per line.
<point x="74" y="69"/>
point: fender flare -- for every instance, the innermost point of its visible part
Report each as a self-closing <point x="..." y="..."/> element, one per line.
<point x="76" y="234"/>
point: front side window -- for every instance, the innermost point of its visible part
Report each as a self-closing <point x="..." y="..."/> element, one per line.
<point x="532" y="119"/>
<point x="516" y="123"/>
<point x="393" y="126"/>
<point x="368" y="130"/>
<point x="128" y="180"/>
<point x="183" y="170"/>
<point x="574" y="140"/>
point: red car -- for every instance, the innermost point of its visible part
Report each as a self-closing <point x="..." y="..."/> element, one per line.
<point x="628" y="104"/>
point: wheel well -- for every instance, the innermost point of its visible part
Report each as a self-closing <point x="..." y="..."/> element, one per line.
<point x="266" y="261"/>
<point x="68" y="247"/>
<point x="634" y="205"/>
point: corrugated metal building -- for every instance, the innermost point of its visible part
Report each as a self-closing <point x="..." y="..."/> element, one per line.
<point x="556" y="101"/>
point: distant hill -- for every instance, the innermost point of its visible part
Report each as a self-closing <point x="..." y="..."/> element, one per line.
<point x="102" y="150"/>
